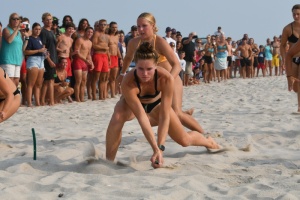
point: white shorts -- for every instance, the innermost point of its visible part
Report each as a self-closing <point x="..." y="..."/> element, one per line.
<point x="12" y="71"/>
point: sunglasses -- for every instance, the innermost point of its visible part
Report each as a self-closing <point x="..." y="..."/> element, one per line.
<point x="15" y="18"/>
<point x="102" y="24"/>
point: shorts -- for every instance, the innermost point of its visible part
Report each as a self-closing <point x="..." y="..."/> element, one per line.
<point x="275" y="61"/>
<point x="23" y="67"/>
<point x="100" y="61"/>
<point x="49" y="71"/>
<point x="188" y="68"/>
<point x="245" y="62"/>
<point x="68" y="68"/>
<point x="229" y="61"/>
<point x="261" y="66"/>
<point x="255" y="62"/>
<point x="114" y="62"/>
<point x="208" y="59"/>
<point x="79" y="64"/>
<point x="35" y="61"/>
<point x="12" y="71"/>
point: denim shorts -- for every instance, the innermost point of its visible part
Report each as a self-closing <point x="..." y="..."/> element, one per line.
<point x="35" y="61"/>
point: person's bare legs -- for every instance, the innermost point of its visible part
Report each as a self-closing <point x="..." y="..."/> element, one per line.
<point x="37" y="87"/>
<point x="122" y="113"/>
<point x="112" y="81"/>
<point x="32" y="75"/>
<point x="13" y="107"/>
<point x="83" y="85"/>
<point x="50" y="92"/>
<point x="103" y="85"/>
<point x="89" y="85"/>
<point x="179" y="135"/>
<point x="186" y="119"/>
<point x="95" y="79"/>
<point x="77" y="86"/>
<point x="44" y="92"/>
<point x="23" y="87"/>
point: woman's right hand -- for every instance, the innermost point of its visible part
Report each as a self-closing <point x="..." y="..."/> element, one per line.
<point x="157" y="159"/>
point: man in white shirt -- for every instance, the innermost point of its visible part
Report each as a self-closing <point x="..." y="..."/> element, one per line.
<point x="219" y="31"/>
<point x="168" y="37"/>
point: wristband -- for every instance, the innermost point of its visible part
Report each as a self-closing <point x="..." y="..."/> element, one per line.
<point x="122" y="74"/>
<point x="27" y="38"/>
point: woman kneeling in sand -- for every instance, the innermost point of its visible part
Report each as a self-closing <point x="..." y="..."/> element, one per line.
<point x="10" y="98"/>
<point x="147" y="95"/>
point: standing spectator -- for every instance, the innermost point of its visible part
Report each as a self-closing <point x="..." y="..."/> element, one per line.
<point x="182" y="62"/>
<point x="221" y="50"/>
<point x="276" y="55"/>
<point x="188" y="46"/>
<point x="168" y="37"/>
<point x="11" y="52"/>
<point x="219" y="31"/>
<point x="245" y="54"/>
<point x="209" y="49"/>
<point x="268" y="56"/>
<point x="55" y="28"/>
<point x="49" y="41"/>
<point x="115" y="55"/>
<point x="35" y="65"/>
<point x="66" y="19"/>
<point x="174" y="34"/>
<point x="63" y="46"/>
<point x="101" y="60"/>
<point x="82" y="60"/>
<point x="254" y="62"/>
<point x="261" y="61"/>
<point x="82" y="25"/>
<point x="133" y="34"/>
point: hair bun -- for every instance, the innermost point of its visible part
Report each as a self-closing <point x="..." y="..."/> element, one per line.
<point x="146" y="47"/>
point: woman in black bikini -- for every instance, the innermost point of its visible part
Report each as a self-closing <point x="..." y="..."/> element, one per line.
<point x="61" y="83"/>
<point x="290" y="35"/>
<point x="147" y="95"/>
<point x="10" y="98"/>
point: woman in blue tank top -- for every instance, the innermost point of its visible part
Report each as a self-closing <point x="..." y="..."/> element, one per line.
<point x="11" y="55"/>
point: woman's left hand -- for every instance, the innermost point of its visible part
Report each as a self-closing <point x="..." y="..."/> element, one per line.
<point x="157" y="159"/>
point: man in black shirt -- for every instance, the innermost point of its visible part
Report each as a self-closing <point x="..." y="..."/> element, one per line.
<point x="188" y="46"/>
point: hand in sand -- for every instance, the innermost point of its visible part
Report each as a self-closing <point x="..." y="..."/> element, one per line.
<point x="157" y="159"/>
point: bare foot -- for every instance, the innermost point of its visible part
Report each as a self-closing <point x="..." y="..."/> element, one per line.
<point x="212" y="143"/>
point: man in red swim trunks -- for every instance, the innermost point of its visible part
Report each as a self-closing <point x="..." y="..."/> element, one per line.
<point x="101" y="60"/>
<point x="81" y="61"/>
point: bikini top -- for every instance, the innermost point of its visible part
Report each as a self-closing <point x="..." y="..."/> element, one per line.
<point x="211" y="50"/>
<point x="221" y="47"/>
<point x="292" y="38"/>
<point x="161" y="58"/>
<point x="148" y="96"/>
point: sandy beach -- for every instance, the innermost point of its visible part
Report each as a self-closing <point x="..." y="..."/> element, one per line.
<point x="254" y="119"/>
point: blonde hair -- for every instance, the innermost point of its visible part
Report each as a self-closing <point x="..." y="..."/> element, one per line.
<point x="45" y="15"/>
<point x="150" y="18"/>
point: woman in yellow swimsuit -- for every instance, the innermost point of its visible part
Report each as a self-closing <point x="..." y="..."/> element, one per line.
<point x="167" y="59"/>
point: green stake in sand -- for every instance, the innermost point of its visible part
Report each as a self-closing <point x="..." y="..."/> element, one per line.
<point x="34" y="144"/>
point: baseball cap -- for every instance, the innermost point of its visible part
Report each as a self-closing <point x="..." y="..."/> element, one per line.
<point x="168" y="29"/>
<point x="134" y="28"/>
<point x="174" y="31"/>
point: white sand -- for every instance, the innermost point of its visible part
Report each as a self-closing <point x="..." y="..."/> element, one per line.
<point x="255" y="114"/>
